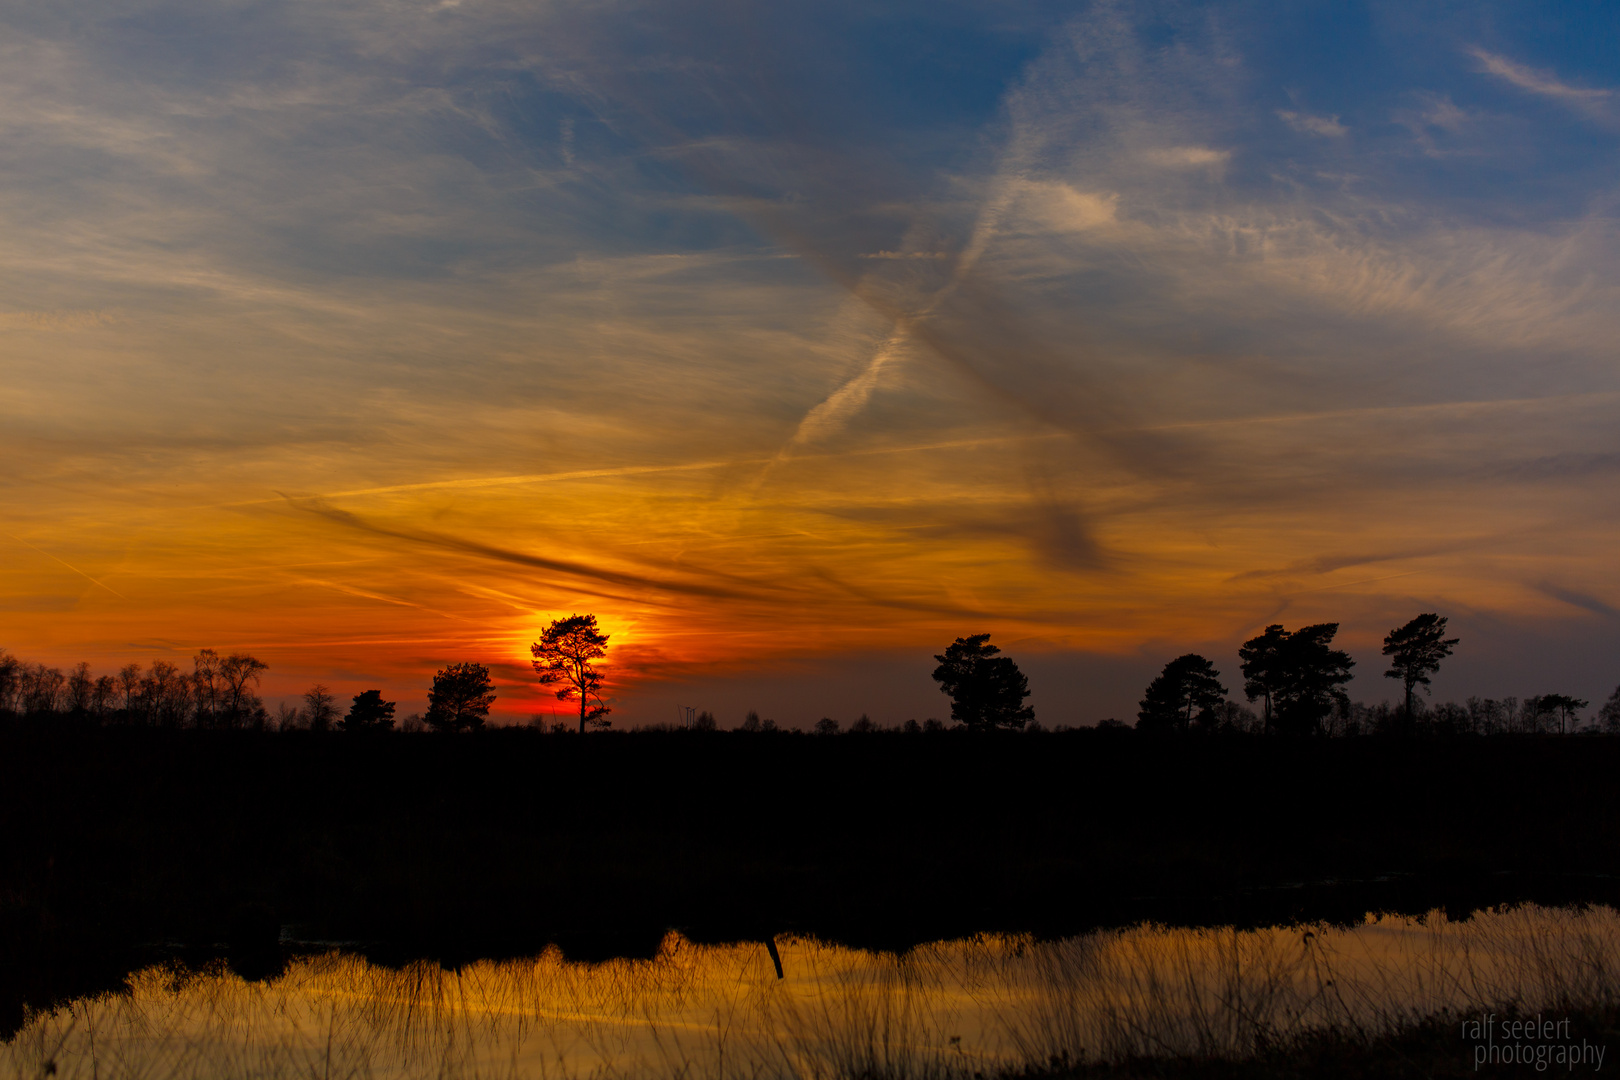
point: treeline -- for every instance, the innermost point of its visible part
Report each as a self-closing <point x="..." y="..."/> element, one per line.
<point x="1295" y="677"/>
<point x="1546" y="714"/>
<point x="1543" y="715"/>
<point x="219" y="692"/>
<point x="1298" y="678"/>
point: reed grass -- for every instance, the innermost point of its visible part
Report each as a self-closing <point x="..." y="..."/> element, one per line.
<point x="983" y="1006"/>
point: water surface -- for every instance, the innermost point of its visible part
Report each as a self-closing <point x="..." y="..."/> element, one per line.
<point x="699" y="1011"/>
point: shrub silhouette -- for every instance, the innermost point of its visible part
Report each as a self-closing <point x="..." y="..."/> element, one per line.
<point x="369" y="713"/>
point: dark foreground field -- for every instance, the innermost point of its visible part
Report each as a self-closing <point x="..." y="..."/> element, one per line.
<point x="118" y="843"/>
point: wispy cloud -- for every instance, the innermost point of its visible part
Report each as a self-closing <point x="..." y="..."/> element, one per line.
<point x="761" y="351"/>
<point x="1313" y="125"/>
<point x="1188" y="157"/>
<point x="1537" y="82"/>
<point x="350" y="520"/>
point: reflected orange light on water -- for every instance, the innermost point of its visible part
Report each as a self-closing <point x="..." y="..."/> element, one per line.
<point x="949" y="1009"/>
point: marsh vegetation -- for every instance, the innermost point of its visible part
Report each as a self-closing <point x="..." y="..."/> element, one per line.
<point x="984" y="1006"/>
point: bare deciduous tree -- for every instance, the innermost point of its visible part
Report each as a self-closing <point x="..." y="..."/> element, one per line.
<point x="80" y="685"/>
<point x="104" y="696"/>
<point x="240" y="703"/>
<point x="129" y="681"/>
<point x="205" y="678"/>
<point x="320" y="707"/>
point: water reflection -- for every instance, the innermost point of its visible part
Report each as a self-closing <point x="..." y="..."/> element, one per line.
<point x="720" y="1011"/>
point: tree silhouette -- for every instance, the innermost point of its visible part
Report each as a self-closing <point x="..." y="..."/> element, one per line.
<point x="1262" y="667"/>
<point x="460" y="698"/>
<point x="1609" y="715"/>
<point x="320" y="706"/>
<point x="1308" y="679"/>
<point x="752" y="722"/>
<point x="564" y="654"/>
<point x="104" y="695"/>
<point x="1297" y="674"/>
<point x="1415" y="651"/>
<point x="237" y="670"/>
<point x="369" y="713"/>
<point x="165" y="693"/>
<point x="1565" y="706"/>
<point x="987" y="690"/>
<point x="129" y="681"/>
<point x="41" y="689"/>
<point x="205" y="680"/>
<point x="80" y="686"/>
<point x="1188" y="685"/>
<point x="10" y="680"/>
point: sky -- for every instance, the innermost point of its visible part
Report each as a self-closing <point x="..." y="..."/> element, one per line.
<point x="794" y="340"/>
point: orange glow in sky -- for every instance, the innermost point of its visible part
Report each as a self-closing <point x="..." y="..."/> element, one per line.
<point x="295" y="368"/>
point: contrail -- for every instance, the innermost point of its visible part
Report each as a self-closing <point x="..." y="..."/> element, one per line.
<point x="831" y="414"/>
<point x="69" y="565"/>
<point x="626" y="470"/>
<point x="842" y="404"/>
<point x="367" y="595"/>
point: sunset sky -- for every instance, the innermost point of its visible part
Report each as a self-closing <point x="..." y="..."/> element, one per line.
<point x="794" y="340"/>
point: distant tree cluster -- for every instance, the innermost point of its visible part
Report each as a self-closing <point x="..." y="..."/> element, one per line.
<point x="220" y="693"/>
<point x="753" y="723"/>
<point x="369" y="712"/>
<point x="1297" y="677"/>
<point x="217" y="693"/>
